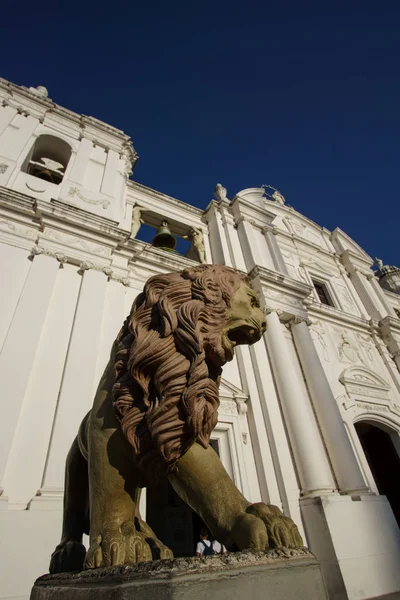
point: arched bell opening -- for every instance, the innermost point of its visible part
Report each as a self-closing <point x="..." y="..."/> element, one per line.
<point x="48" y="159"/>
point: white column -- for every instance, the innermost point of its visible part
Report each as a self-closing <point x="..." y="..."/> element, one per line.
<point x="343" y="459"/>
<point x="261" y="445"/>
<point x="76" y="394"/>
<point x="312" y="463"/>
<point x="272" y="416"/>
<point x="21" y="345"/>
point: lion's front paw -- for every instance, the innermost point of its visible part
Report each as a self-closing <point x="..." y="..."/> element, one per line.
<point x="117" y="547"/>
<point x="67" y="557"/>
<point x="263" y="526"/>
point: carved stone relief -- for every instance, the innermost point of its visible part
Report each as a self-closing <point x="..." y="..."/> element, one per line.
<point x="284" y="299"/>
<point x="345" y="298"/>
<point x="17" y="229"/>
<point x="347" y="349"/>
<point x="318" y="329"/>
<point x="3" y="168"/>
<point x="74" y="191"/>
<point x="228" y="407"/>
<point x="76" y="242"/>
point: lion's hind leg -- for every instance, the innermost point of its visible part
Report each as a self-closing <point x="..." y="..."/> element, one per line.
<point x="69" y="555"/>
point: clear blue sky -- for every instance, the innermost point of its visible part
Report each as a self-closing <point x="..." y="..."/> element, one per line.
<point x="301" y="95"/>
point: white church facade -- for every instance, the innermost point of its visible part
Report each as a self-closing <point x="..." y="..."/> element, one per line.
<point x="310" y="415"/>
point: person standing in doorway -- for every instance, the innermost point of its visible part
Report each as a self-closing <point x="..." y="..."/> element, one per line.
<point x="205" y="547"/>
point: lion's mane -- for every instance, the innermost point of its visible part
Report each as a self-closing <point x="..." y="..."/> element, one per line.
<point x="168" y="363"/>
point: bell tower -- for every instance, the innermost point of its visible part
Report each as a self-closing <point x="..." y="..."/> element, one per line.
<point x="53" y="154"/>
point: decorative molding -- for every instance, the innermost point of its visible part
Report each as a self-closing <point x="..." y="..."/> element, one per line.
<point x="347" y="349"/>
<point x="17" y="229"/>
<point x="86" y="266"/>
<point x="34" y="189"/>
<point x="362" y="381"/>
<point x="372" y="407"/>
<point x="318" y="329"/>
<point x="74" y="191"/>
<point x="297" y="319"/>
<point x="284" y="299"/>
<point x="228" y="407"/>
<point x="76" y="242"/>
<point x="37" y="250"/>
<point x="270" y="309"/>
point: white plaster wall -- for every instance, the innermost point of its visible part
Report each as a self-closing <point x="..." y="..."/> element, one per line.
<point x="32" y="437"/>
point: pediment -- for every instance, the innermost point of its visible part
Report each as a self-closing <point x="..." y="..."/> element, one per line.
<point x="228" y="391"/>
<point x="343" y="242"/>
<point x="359" y="380"/>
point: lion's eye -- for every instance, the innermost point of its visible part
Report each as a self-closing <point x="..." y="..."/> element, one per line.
<point x="254" y="302"/>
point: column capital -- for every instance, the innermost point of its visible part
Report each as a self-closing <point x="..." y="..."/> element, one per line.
<point x="270" y="309"/>
<point x="61" y="258"/>
<point x="297" y="319"/>
<point x="269" y="229"/>
<point x="85" y="265"/>
<point x="107" y="271"/>
<point x="239" y="220"/>
<point x="36" y="250"/>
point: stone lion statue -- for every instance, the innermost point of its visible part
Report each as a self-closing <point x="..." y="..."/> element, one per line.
<point x="153" y="413"/>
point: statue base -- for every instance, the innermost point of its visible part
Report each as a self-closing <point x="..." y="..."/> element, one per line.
<point x="276" y="574"/>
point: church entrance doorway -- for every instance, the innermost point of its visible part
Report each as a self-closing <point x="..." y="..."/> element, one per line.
<point x="381" y="451"/>
<point x="172" y="520"/>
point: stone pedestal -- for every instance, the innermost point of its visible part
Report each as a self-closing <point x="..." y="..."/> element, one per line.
<point x="274" y="575"/>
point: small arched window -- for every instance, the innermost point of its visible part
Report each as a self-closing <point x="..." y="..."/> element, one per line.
<point x="48" y="159"/>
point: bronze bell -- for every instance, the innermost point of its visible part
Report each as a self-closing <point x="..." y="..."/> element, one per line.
<point x="164" y="238"/>
<point x="43" y="173"/>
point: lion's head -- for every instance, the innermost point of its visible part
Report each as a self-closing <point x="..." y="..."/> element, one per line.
<point x="182" y="329"/>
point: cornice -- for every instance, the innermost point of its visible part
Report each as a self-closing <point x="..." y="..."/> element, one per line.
<point x="337" y="317"/>
<point x="391" y="295"/>
<point x="139" y="187"/>
<point x="29" y="103"/>
<point x="63" y="217"/>
<point x="388" y="323"/>
<point x="267" y="277"/>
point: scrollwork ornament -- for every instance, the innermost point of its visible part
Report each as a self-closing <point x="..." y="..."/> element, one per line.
<point x="61" y="258"/>
<point x="36" y="250"/>
<point x="86" y="266"/>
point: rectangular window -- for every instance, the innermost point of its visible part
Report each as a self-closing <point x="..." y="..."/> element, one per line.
<point x="322" y="293"/>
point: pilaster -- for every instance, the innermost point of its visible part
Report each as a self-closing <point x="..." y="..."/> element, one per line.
<point x="20" y="347"/>
<point x="76" y="393"/>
